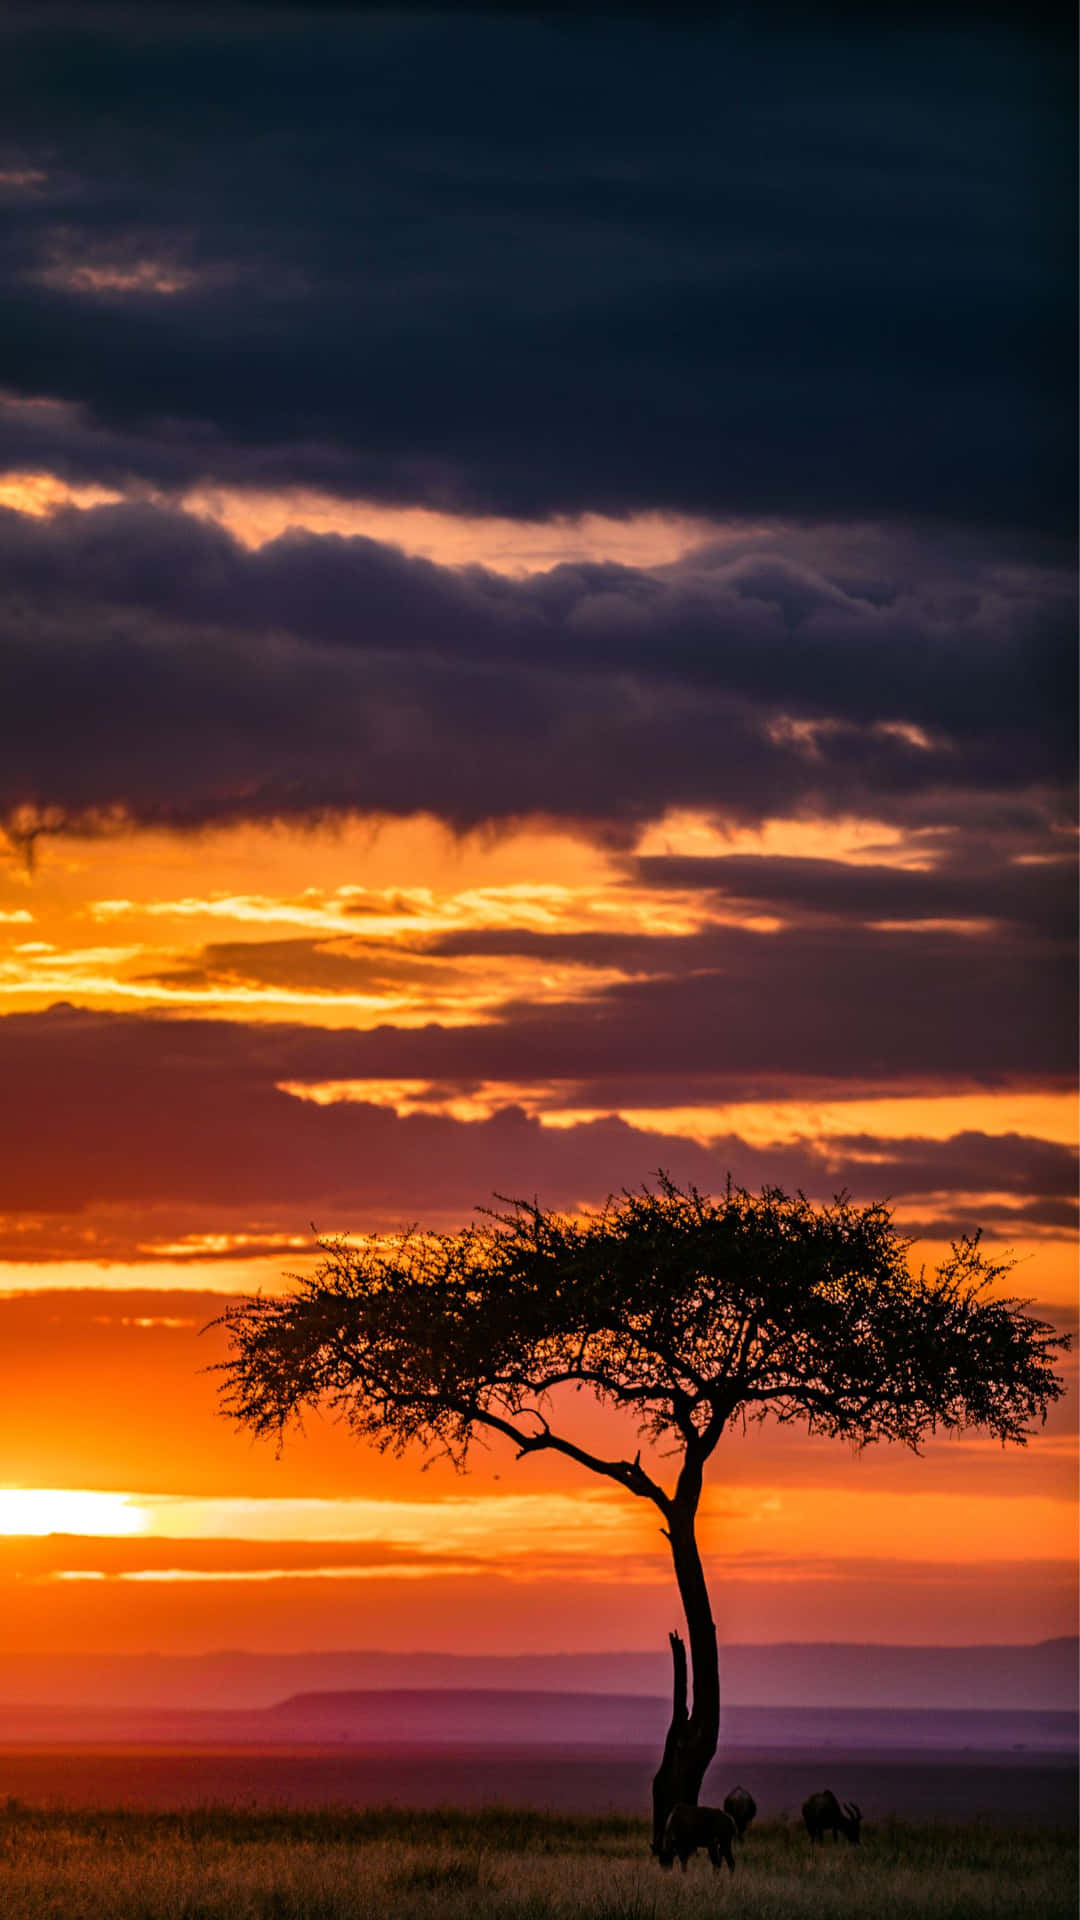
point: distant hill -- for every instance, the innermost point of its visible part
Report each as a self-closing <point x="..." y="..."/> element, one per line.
<point x="470" y="1720"/>
<point x="1043" y="1677"/>
<point x="493" y="1715"/>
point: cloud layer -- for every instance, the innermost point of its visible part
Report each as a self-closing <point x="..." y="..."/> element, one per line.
<point x="535" y="265"/>
<point x="151" y="1129"/>
<point x="152" y="666"/>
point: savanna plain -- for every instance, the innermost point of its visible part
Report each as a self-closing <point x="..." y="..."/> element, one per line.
<point x="232" y="1863"/>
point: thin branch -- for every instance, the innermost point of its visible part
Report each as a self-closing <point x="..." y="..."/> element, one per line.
<point x="629" y="1474"/>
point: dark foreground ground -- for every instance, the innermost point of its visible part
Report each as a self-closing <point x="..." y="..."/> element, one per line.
<point x="504" y="1864"/>
<point x="997" y="1788"/>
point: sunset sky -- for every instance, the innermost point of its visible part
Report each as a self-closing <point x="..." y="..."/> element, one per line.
<point x="538" y="631"/>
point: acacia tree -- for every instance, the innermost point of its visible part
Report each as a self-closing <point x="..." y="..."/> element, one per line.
<point x="683" y="1311"/>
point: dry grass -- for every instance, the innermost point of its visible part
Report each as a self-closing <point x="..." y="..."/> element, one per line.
<point x="501" y="1864"/>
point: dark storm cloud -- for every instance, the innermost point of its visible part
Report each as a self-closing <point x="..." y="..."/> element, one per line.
<point x="151" y="664"/>
<point x="997" y="1220"/>
<point x="920" y="636"/>
<point x="192" y="1120"/>
<point x="835" y="1004"/>
<point x="1040" y="895"/>
<point x="893" y="1006"/>
<point x="538" y="265"/>
<point x="970" y="1162"/>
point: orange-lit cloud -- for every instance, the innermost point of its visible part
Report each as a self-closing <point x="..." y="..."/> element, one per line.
<point x="43" y="493"/>
<point x="155" y="277"/>
<point x="254" y="517"/>
<point x="513" y="547"/>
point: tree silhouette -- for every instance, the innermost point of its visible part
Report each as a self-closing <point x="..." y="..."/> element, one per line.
<point x="683" y="1311"/>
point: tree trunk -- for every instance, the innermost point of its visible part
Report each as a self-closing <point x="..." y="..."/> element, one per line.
<point x="692" y="1736"/>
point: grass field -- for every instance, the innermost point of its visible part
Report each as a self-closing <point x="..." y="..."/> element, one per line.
<point x="232" y="1864"/>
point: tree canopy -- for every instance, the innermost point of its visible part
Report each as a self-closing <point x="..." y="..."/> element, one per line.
<point x="683" y="1311"/>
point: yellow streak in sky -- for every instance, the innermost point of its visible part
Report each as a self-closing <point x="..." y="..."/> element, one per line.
<point x="558" y="1524"/>
<point x="737" y="1523"/>
<point x="94" y="988"/>
<point x="167" y="1275"/>
<point x="412" y="912"/>
<point x="1045" y="1269"/>
<point x="231" y="1576"/>
<point x="1048" y="1116"/>
<point x="520" y="1520"/>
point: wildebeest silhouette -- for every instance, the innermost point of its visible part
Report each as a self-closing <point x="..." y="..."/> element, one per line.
<point x="688" y="1828"/>
<point x="823" y="1812"/>
<point x="742" y="1807"/>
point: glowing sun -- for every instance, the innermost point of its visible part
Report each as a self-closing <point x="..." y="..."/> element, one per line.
<point x="41" y="1510"/>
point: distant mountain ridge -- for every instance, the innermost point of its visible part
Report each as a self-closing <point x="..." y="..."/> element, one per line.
<point x="465" y="1720"/>
<point x="1042" y="1677"/>
<point x="495" y="1714"/>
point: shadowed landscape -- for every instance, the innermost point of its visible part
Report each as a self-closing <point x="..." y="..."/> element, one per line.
<point x="1000" y="1787"/>
<point x="580" y="1753"/>
<point x="508" y="1865"/>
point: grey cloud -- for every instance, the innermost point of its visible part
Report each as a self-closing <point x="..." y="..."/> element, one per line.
<point x="997" y="1221"/>
<point x="826" y="1004"/>
<point x="977" y="1162"/>
<point x="1039" y="895"/>
<point x="194" y="1128"/>
<point x="166" y="672"/>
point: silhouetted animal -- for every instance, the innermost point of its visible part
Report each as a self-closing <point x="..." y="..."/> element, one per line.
<point x="742" y="1807"/>
<point x="688" y="1828"/>
<point x="823" y="1811"/>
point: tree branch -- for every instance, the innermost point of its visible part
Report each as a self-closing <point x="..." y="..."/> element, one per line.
<point x="629" y="1474"/>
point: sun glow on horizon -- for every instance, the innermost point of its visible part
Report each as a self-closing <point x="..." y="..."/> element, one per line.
<point x="38" y="1511"/>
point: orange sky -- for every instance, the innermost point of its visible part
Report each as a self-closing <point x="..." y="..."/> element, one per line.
<point x="181" y="1533"/>
<point x="537" y="647"/>
<point x="106" y="1391"/>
